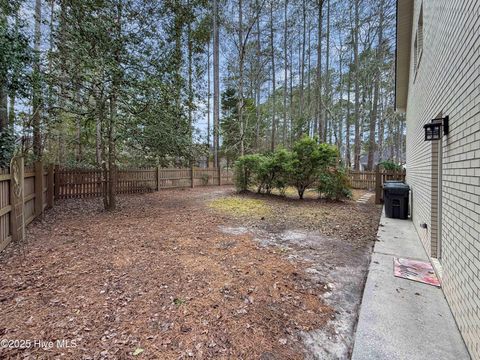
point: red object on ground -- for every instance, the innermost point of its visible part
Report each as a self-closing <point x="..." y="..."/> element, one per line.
<point x="415" y="270"/>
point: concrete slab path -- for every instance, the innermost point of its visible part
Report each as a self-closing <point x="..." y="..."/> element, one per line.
<point x="399" y="318"/>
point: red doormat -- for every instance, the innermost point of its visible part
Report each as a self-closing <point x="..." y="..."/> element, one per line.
<point x="415" y="270"/>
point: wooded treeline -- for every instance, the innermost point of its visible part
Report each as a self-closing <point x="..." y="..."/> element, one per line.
<point x="114" y="82"/>
<point x="323" y="67"/>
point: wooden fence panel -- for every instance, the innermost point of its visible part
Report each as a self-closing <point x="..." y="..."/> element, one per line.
<point x="78" y="183"/>
<point x="374" y="180"/>
<point x="205" y="176"/>
<point x="74" y="183"/>
<point x="29" y="194"/>
<point x="362" y="179"/>
<point x="227" y="177"/>
<point x="45" y="190"/>
<point x="130" y="181"/>
<point x="174" y="178"/>
<point x="5" y="208"/>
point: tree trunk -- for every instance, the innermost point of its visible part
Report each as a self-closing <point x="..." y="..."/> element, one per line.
<point x="272" y="54"/>
<point x="302" y="61"/>
<point x="285" y="72"/>
<point x="78" y="123"/>
<point x="240" y="78"/>
<point x="339" y="134"/>
<point x="216" y="84"/>
<point x="36" y="101"/>
<point x="258" y="85"/>
<point x="319" y="107"/>
<point x="208" y="101"/>
<point x="112" y="173"/>
<point x="11" y="109"/>
<point x="357" y="145"/>
<point x="376" y="90"/>
<point x="309" y="78"/>
<point x="348" y="153"/>
<point x="98" y="130"/>
<point x="112" y="169"/>
<point x="292" y="128"/>
<point x="190" y="74"/>
<point x="381" y="132"/>
<point x="328" y="130"/>
<point x="3" y="85"/>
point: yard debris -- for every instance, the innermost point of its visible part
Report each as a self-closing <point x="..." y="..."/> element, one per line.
<point x="160" y="272"/>
<point x="137" y="351"/>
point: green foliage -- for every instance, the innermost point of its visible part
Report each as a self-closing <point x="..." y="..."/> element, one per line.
<point x="308" y="159"/>
<point x="7" y="147"/>
<point x="272" y="171"/>
<point x="205" y="179"/>
<point x="230" y="125"/>
<point x="391" y="165"/>
<point x="246" y="169"/>
<point x="15" y="52"/>
<point x="333" y="184"/>
<point x="300" y="168"/>
<point x="280" y="168"/>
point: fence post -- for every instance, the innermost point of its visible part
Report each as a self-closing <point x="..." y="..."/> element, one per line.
<point x="38" y="188"/>
<point x="192" y="183"/>
<point x="50" y="186"/>
<point x="378" y="185"/>
<point x="219" y="170"/>
<point x="158" y="177"/>
<point x="17" y="224"/>
<point x="56" y="182"/>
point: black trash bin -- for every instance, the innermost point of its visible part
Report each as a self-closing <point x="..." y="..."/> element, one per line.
<point x="395" y="196"/>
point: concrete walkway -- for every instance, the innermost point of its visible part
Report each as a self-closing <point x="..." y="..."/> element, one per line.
<point x="399" y="318"/>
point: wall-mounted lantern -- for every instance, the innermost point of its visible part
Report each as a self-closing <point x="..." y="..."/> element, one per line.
<point x="433" y="130"/>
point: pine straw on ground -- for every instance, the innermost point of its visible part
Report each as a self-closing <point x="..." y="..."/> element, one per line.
<point x="347" y="220"/>
<point x="155" y="279"/>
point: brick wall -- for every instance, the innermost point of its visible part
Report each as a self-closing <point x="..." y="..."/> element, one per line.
<point x="448" y="82"/>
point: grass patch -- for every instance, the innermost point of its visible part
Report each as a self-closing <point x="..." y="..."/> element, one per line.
<point x="241" y="206"/>
<point x="292" y="192"/>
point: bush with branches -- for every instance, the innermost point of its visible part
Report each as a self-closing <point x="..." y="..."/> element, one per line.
<point x="272" y="171"/>
<point x="333" y="184"/>
<point x="246" y="171"/>
<point x="307" y="164"/>
<point x="391" y="165"/>
<point x="308" y="160"/>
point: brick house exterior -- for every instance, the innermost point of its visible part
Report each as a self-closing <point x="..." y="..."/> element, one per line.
<point x="438" y="75"/>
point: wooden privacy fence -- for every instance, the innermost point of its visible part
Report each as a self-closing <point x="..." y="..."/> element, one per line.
<point x="25" y="192"/>
<point x="78" y="183"/>
<point x="24" y="195"/>
<point x="362" y="179"/>
<point x="374" y="180"/>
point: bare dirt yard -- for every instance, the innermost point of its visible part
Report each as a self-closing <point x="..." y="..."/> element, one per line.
<point x="198" y="273"/>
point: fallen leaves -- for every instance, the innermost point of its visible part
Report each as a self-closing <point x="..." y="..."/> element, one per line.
<point x="158" y="279"/>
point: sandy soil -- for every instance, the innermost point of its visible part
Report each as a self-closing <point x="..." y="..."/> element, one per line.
<point x="200" y="273"/>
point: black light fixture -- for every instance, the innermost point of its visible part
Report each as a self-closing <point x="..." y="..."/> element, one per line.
<point x="433" y="130"/>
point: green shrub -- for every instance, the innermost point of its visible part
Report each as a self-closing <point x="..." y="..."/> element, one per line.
<point x="300" y="167"/>
<point x="246" y="168"/>
<point x="272" y="171"/>
<point x="205" y="179"/>
<point x="333" y="184"/>
<point x="281" y="168"/>
<point x="308" y="159"/>
<point x="262" y="178"/>
<point x="391" y="165"/>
